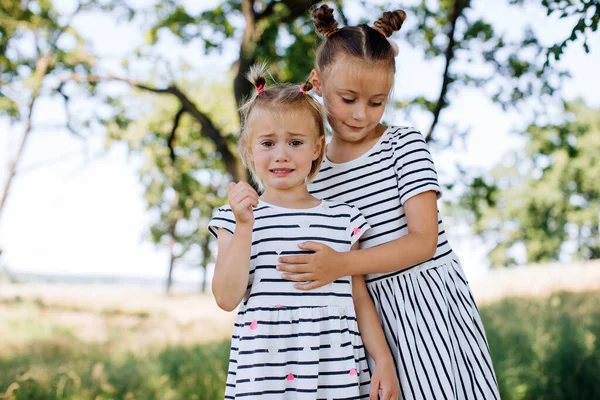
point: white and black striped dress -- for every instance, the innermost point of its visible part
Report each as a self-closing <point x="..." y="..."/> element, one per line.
<point x="289" y="343"/>
<point x="428" y="314"/>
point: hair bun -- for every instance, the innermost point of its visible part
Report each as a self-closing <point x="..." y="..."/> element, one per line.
<point x="390" y="22"/>
<point x="325" y="23"/>
<point x="306" y="86"/>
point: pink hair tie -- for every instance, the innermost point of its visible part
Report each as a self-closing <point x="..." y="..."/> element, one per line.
<point x="302" y="90"/>
<point x="260" y="88"/>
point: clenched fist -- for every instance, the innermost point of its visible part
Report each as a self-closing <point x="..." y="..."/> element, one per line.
<point x="242" y="198"/>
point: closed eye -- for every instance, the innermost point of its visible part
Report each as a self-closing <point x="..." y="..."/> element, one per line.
<point x="348" y="101"/>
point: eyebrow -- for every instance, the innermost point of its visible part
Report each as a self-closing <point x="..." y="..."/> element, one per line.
<point x="268" y="135"/>
<point x="355" y="92"/>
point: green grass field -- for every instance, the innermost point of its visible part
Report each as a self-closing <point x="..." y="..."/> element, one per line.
<point x="543" y="348"/>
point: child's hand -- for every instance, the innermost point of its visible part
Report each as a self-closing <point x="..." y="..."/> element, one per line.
<point x="318" y="269"/>
<point x="242" y="197"/>
<point x="384" y="380"/>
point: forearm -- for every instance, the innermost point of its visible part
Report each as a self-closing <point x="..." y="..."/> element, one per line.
<point x="232" y="269"/>
<point x="401" y="253"/>
<point x="369" y="325"/>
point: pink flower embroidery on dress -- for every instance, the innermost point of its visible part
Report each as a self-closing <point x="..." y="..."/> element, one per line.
<point x="290" y="377"/>
<point x="356" y="231"/>
<point x="353" y="372"/>
<point x="254" y="325"/>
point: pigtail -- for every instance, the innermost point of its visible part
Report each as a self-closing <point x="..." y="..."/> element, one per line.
<point x="325" y="23"/>
<point x="390" y="22"/>
<point x="257" y="75"/>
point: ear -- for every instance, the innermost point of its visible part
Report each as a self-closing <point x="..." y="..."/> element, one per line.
<point x="319" y="147"/>
<point x="315" y="79"/>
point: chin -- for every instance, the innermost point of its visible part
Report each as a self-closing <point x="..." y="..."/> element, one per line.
<point x="285" y="185"/>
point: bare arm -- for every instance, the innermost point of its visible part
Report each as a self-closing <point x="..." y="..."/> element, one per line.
<point x="384" y="376"/>
<point x="233" y="259"/>
<point x="368" y="322"/>
<point x="232" y="267"/>
<point x="417" y="246"/>
<point x="327" y="265"/>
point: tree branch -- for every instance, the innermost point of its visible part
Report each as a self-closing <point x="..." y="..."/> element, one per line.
<point x="459" y="6"/>
<point x="241" y="87"/>
<point x="251" y="39"/>
<point x="67" y="112"/>
<point x="172" y="137"/>
<point x="208" y="127"/>
<point x="296" y="8"/>
<point x="340" y="9"/>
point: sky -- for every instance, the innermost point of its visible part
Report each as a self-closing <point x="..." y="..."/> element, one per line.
<point x="76" y="209"/>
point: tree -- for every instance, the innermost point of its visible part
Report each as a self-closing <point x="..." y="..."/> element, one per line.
<point x="277" y="31"/>
<point x="545" y="199"/>
<point x="512" y="71"/>
<point x="54" y="47"/>
<point x="183" y="175"/>
<point x="183" y="183"/>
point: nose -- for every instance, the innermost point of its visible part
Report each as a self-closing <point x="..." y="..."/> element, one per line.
<point x="358" y="111"/>
<point x="281" y="154"/>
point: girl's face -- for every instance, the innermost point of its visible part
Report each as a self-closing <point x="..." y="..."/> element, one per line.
<point x="283" y="146"/>
<point x="355" y="94"/>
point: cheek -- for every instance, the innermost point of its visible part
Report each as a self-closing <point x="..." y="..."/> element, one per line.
<point x="260" y="158"/>
<point x="337" y="110"/>
<point x="376" y="113"/>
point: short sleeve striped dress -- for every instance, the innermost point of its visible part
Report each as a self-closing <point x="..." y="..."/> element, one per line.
<point x="429" y="316"/>
<point x="289" y="343"/>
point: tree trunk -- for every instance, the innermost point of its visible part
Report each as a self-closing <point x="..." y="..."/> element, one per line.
<point x="170" y="277"/>
<point x="205" y="260"/>
<point x="173" y="256"/>
<point x="13" y="165"/>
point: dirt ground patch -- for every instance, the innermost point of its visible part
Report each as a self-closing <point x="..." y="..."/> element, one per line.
<point x="122" y="317"/>
<point x="135" y="317"/>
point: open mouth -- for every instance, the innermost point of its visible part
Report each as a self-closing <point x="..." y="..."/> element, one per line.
<point x="281" y="171"/>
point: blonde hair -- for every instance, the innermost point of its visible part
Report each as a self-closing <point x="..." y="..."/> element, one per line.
<point x="361" y="42"/>
<point x="278" y="98"/>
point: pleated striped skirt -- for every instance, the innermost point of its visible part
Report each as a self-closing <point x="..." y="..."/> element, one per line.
<point x="434" y="331"/>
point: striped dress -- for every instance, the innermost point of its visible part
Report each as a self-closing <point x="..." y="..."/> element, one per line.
<point x="427" y="311"/>
<point x="287" y="343"/>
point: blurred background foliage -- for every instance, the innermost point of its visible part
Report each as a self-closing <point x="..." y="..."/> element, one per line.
<point x="542" y="348"/>
<point x="542" y="200"/>
<point x="185" y="128"/>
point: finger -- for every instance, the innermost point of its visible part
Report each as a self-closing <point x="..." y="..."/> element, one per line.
<point x="310" y="285"/>
<point x="298" y="277"/>
<point x="314" y="246"/>
<point x="241" y="188"/>
<point x="294" y="268"/>
<point x="254" y="200"/>
<point x="232" y="185"/>
<point x="246" y="203"/>
<point x="387" y="394"/>
<point x="249" y="192"/>
<point x="245" y="187"/>
<point x="238" y="198"/>
<point x="374" y="389"/>
<point x="304" y="259"/>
